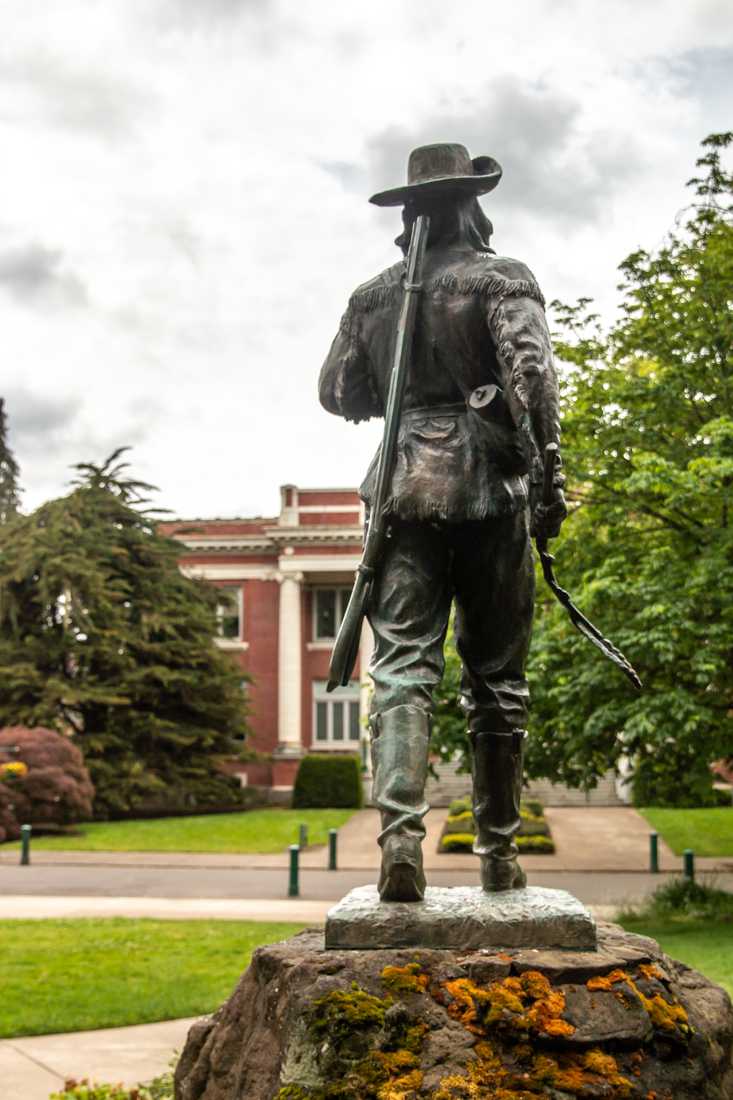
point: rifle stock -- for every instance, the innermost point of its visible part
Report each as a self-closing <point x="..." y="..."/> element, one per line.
<point x="346" y="646"/>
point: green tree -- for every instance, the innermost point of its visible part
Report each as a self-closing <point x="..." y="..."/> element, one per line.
<point x="101" y="634"/>
<point x="648" y="549"/>
<point x="9" y="472"/>
<point x="449" y="738"/>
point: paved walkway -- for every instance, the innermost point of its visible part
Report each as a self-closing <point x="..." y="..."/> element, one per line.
<point x="32" y="1068"/>
<point x="587" y="838"/>
<point x="602" y="857"/>
<point x="175" y="893"/>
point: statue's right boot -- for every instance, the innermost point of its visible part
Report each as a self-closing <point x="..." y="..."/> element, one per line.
<point x="400" y="738"/>
<point x="497" y="789"/>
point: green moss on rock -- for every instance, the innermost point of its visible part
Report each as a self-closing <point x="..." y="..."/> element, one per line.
<point x="341" y="1012"/>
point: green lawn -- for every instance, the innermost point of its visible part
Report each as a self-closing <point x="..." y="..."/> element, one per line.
<point x="705" y="945"/>
<point x="251" y="831"/>
<point x="707" y="832"/>
<point x="71" y="975"/>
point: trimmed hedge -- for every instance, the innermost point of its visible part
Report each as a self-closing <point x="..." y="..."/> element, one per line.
<point x="536" y="844"/>
<point x="457" y="842"/>
<point x="530" y="807"/>
<point x="459" y="830"/>
<point x="460" y="806"/>
<point x="463" y="842"/>
<point x="328" y="782"/>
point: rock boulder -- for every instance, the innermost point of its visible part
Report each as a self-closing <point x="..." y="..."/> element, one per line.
<point x="623" y="1022"/>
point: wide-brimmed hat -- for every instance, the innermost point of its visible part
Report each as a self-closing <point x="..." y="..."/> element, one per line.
<point x="442" y="169"/>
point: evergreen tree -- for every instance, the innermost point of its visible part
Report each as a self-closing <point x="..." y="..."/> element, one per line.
<point x="9" y="471"/>
<point x="100" y="633"/>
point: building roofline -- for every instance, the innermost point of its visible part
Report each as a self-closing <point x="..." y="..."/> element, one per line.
<point x="222" y="519"/>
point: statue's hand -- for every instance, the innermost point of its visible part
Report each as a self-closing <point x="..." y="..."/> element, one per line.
<point x="547" y="519"/>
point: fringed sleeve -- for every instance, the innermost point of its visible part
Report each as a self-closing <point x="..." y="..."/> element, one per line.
<point x="345" y="385"/>
<point x="517" y="324"/>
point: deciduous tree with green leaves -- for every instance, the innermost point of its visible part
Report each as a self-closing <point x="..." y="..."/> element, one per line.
<point x="100" y="634"/>
<point x="648" y="549"/>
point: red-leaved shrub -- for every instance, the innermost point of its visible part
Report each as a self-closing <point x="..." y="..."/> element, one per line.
<point x="9" y="827"/>
<point x="57" y="788"/>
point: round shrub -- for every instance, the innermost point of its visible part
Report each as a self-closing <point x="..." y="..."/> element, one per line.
<point x="57" y="788"/>
<point x="9" y="826"/>
<point x="332" y="782"/>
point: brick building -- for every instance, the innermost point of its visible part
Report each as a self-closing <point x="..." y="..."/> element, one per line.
<point x="283" y="582"/>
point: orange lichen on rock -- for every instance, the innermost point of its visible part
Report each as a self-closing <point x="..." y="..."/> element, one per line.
<point x="605" y="1066"/>
<point x="405" y="979"/>
<point x="576" y="1074"/>
<point x="606" y="981"/>
<point x="668" y="1016"/>
<point x="545" y="1014"/>
<point x="466" y="1001"/>
<point x="486" y="1077"/>
<point x="404" y="1087"/>
<point x="665" y="1015"/>
<point x="527" y="1004"/>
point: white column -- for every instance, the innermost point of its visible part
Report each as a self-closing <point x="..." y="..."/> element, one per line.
<point x="365" y="655"/>
<point x="290" y="648"/>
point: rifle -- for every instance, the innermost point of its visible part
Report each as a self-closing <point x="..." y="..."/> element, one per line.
<point x="577" y="618"/>
<point x="346" y="646"/>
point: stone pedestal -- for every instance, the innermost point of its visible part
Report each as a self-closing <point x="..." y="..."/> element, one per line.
<point x="462" y="917"/>
<point x="621" y="1022"/>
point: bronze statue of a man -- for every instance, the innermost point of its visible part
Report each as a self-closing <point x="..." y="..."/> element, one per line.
<point x="480" y="405"/>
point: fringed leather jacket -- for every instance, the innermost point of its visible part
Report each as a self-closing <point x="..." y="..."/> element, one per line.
<point x="481" y="322"/>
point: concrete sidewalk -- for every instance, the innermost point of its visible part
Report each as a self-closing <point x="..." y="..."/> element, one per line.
<point x="31" y="1068"/>
<point x="39" y="907"/>
<point x="177" y="894"/>
<point x="587" y="838"/>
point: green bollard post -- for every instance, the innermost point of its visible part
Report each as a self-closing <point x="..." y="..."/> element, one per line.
<point x="25" y="845"/>
<point x="332" y="841"/>
<point x="654" y="853"/>
<point x="303" y="836"/>
<point x="293" y="883"/>
<point x="688" y="857"/>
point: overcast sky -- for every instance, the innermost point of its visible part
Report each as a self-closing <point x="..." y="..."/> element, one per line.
<point x="184" y="212"/>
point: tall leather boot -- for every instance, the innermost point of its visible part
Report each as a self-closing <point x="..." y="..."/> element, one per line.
<point x="400" y="762"/>
<point x="497" y="787"/>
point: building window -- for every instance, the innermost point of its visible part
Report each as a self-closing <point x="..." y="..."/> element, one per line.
<point x="229" y="614"/>
<point x="336" y="717"/>
<point x="329" y="608"/>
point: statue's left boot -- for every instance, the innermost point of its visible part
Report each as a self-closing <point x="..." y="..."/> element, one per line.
<point x="497" y="788"/>
<point x="400" y="755"/>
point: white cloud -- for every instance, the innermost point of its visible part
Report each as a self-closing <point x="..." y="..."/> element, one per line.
<point x="36" y="275"/>
<point x="199" y="173"/>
